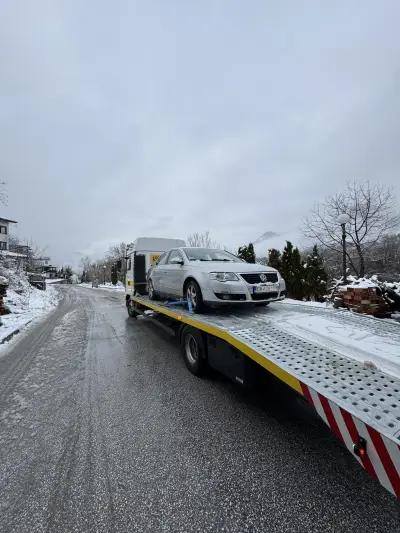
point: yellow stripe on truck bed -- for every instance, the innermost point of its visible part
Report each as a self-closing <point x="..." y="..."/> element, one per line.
<point x="277" y="371"/>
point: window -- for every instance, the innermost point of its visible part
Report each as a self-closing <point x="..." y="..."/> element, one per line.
<point x="3" y="245"/>
<point x="174" y="257"/>
<point x="208" y="254"/>
<point x="129" y="266"/>
<point x="162" y="259"/>
<point x="3" y="229"/>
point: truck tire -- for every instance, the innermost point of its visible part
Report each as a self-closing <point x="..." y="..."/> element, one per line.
<point x="193" y="293"/>
<point x="129" y="307"/>
<point x="194" y="350"/>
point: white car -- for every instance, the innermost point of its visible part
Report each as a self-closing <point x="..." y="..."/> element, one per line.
<point x="213" y="277"/>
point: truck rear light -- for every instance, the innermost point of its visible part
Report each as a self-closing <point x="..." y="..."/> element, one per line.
<point x="360" y="447"/>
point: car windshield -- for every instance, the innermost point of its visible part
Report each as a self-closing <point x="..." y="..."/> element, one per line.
<point x="208" y="254"/>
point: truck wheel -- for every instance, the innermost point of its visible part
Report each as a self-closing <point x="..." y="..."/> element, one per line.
<point x="131" y="311"/>
<point x="151" y="291"/>
<point x="193" y="293"/>
<point x="194" y="351"/>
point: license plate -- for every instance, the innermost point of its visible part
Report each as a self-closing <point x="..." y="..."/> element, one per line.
<point x="262" y="288"/>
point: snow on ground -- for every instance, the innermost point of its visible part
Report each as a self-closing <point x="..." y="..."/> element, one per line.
<point x="362" y="338"/>
<point x="118" y="287"/>
<point x="325" y="305"/>
<point x="55" y="280"/>
<point x="26" y="304"/>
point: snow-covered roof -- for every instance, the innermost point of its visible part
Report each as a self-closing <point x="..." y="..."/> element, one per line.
<point x="11" y="254"/>
<point x="156" y="244"/>
<point x="8" y="220"/>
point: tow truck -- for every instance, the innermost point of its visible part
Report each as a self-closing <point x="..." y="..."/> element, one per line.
<point x="359" y="402"/>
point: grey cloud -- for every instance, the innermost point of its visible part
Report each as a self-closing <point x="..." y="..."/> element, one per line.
<point x="167" y="118"/>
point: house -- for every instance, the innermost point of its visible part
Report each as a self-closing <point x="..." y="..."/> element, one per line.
<point x="49" y="271"/>
<point x="4" y="225"/>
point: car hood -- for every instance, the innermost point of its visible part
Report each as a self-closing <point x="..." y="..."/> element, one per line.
<point x="239" y="268"/>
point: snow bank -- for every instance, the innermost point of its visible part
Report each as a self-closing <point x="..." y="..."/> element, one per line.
<point x="25" y="302"/>
<point x="310" y="304"/>
<point x="359" y="283"/>
<point x="118" y="287"/>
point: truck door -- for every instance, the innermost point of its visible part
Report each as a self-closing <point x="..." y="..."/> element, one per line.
<point x="129" y="276"/>
<point x="139" y="274"/>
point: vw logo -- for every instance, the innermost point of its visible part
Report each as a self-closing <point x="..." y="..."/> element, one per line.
<point x="263" y="278"/>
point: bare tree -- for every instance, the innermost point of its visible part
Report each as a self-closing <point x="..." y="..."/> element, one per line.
<point x="370" y="208"/>
<point x="201" y="240"/>
<point x="3" y="193"/>
<point x="116" y="255"/>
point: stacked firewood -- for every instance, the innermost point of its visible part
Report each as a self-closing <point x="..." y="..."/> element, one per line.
<point x="368" y="300"/>
<point x="3" y="291"/>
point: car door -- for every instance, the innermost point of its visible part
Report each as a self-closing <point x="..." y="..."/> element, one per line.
<point x="157" y="274"/>
<point x="174" y="273"/>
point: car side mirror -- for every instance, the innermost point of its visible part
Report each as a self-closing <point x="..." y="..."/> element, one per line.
<point x="178" y="262"/>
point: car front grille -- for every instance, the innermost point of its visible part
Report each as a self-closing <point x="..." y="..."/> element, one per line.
<point x="272" y="277"/>
<point x="264" y="295"/>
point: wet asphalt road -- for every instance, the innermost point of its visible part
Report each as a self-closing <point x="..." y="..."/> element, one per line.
<point x="102" y="428"/>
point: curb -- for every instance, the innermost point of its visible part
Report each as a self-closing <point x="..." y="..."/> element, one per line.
<point x="9" y="336"/>
<point x="15" y="332"/>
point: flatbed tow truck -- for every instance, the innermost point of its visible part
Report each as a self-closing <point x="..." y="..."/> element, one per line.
<point x="358" y="402"/>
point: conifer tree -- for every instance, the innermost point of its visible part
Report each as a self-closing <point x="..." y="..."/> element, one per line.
<point x="274" y="259"/>
<point x="292" y="271"/>
<point x="316" y="276"/>
<point x="114" y="274"/>
<point x="247" y="253"/>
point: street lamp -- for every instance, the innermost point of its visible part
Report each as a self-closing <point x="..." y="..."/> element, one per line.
<point x="342" y="219"/>
<point x="104" y="274"/>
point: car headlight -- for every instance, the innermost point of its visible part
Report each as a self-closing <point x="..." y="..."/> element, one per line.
<point x="223" y="276"/>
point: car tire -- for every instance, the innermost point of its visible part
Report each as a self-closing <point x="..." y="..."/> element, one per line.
<point x="193" y="293"/>
<point x="262" y="304"/>
<point x="194" y="350"/>
<point x="150" y="289"/>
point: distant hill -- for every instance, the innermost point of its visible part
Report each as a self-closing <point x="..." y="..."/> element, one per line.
<point x="265" y="236"/>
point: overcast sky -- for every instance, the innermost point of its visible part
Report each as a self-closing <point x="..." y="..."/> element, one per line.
<point x="122" y="119"/>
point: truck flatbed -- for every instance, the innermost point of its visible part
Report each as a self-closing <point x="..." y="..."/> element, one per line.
<point x="359" y="402"/>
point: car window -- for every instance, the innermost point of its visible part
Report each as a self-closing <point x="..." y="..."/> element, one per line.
<point x="162" y="259"/>
<point x="174" y="257"/>
<point x="209" y="254"/>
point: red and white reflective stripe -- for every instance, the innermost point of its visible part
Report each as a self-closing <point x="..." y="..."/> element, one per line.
<point x="382" y="458"/>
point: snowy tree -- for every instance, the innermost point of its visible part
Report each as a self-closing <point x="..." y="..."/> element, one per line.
<point x="274" y="258"/>
<point x="371" y="213"/>
<point x="201" y="240"/>
<point x="315" y="275"/>
<point x="247" y="253"/>
<point x="292" y="271"/>
<point x="67" y="273"/>
<point x="114" y="274"/>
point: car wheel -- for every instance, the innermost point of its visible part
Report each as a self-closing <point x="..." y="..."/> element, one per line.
<point x="151" y="291"/>
<point x="194" y="351"/>
<point x="193" y="294"/>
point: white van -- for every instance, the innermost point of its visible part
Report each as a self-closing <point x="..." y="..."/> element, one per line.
<point x="145" y="253"/>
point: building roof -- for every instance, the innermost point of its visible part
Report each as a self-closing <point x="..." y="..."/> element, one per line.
<point x="154" y="244"/>
<point x="11" y="254"/>
<point x="8" y="220"/>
